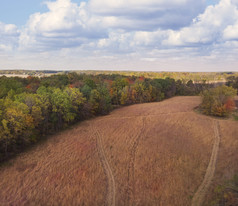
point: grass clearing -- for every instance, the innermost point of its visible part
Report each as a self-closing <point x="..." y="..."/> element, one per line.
<point x="157" y="153"/>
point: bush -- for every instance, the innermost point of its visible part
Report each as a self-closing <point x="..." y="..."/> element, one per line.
<point x="218" y="101"/>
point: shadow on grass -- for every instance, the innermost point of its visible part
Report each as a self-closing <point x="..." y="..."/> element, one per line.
<point x="40" y="139"/>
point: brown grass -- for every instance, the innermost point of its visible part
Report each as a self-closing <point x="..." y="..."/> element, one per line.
<point x="157" y="152"/>
<point x="63" y="171"/>
<point x="227" y="165"/>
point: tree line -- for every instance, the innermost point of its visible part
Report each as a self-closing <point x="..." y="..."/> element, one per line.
<point x="33" y="107"/>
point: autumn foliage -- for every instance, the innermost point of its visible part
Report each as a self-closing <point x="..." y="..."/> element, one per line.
<point x="218" y="101"/>
<point x="34" y="107"/>
<point x="230" y="104"/>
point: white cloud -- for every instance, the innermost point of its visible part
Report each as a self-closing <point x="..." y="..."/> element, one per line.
<point x="207" y="28"/>
<point x="126" y="26"/>
<point x="231" y="32"/>
<point x="148" y="14"/>
<point x="9" y="36"/>
<point x="134" y="32"/>
<point x="235" y="2"/>
<point x="66" y="24"/>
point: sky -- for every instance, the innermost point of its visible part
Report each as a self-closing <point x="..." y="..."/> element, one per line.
<point x="143" y="35"/>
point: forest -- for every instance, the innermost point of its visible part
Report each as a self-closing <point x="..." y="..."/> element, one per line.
<point x="32" y="108"/>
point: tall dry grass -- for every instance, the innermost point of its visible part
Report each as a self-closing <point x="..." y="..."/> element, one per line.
<point x="157" y="152"/>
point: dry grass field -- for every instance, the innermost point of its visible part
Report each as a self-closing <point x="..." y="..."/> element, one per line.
<point x="145" y="154"/>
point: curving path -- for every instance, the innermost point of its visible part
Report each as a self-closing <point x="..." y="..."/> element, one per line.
<point x="111" y="188"/>
<point x="199" y="196"/>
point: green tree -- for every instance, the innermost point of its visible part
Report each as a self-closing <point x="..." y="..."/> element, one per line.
<point x="86" y="90"/>
<point x="16" y="126"/>
<point x="34" y="103"/>
<point x="89" y="82"/>
<point x="100" y="100"/>
<point x="116" y="89"/>
<point x="76" y="99"/>
<point x="7" y="84"/>
<point x="46" y="108"/>
<point x="125" y="96"/>
<point x="217" y="101"/>
<point x="232" y="81"/>
<point x="61" y="107"/>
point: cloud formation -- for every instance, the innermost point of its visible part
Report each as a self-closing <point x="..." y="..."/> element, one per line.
<point x="148" y="31"/>
<point x="9" y="36"/>
<point x="208" y="27"/>
<point x="65" y="25"/>
<point x="148" y="14"/>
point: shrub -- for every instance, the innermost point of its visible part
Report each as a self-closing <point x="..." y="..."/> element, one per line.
<point x="218" y="101"/>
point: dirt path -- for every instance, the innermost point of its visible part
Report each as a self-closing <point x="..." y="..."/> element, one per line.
<point x="199" y="196"/>
<point x="131" y="168"/>
<point x="111" y="188"/>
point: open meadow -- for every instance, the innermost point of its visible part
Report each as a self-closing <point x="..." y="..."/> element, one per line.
<point x="144" y="154"/>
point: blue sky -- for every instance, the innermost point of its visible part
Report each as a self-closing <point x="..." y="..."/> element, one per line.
<point x="18" y="11"/>
<point x="158" y="35"/>
<point x="212" y="2"/>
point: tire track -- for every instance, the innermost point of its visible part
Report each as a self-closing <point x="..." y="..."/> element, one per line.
<point x="130" y="191"/>
<point x="111" y="188"/>
<point x="200" y="194"/>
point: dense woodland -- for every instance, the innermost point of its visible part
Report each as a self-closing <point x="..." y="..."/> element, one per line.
<point x="31" y="108"/>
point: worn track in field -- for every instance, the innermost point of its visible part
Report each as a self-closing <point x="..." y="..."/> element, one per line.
<point x="200" y="194"/>
<point x="131" y="168"/>
<point x="111" y="188"/>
